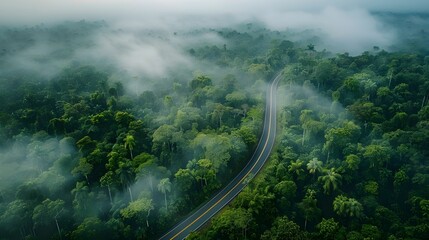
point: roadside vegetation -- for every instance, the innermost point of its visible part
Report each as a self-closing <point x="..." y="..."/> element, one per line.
<point x="83" y="157"/>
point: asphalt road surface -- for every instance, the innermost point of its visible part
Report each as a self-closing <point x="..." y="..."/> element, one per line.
<point x="221" y="199"/>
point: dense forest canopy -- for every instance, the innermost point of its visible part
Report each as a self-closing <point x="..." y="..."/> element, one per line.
<point x="108" y="133"/>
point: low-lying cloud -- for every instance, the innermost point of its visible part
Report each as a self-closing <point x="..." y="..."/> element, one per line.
<point x="26" y="160"/>
<point x="26" y="11"/>
<point x="141" y="35"/>
<point x="350" y="31"/>
<point x="152" y="57"/>
<point x="344" y="25"/>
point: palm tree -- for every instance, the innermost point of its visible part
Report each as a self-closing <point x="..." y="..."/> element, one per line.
<point x="107" y="180"/>
<point x="345" y="206"/>
<point x="314" y="165"/>
<point x="308" y="206"/>
<point x="340" y="205"/>
<point x="296" y="167"/>
<point x="354" y="208"/>
<point x="130" y="142"/>
<point x="126" y="176"/>
<point x="164" y="186"/>
<point x="304" y="118"/>
<point x="146" y="171"/>
<point x="330" y="180"/>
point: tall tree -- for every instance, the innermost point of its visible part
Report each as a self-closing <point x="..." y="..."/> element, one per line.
<point x="130" y="142"/>
<point x="330" y="180"/>
<point x="377" y="154"/>
<point x="49" y="211"/>
<point x="108" y="180"/>
<point x="347" y="206"/>
<point x="305" y="117"/>
<point x="126" y="175"/>
<point x="137" y="213"/>
<point x="232" y="224"/>
<point x="295" y="167"/>
<point x="90" y="228"/>
<point x="308" y="207"/>
<point x="164" y="186"/>
<point x="328" y="228"/>
<point x="84" y="168"/>
<point x="283" y="228"/>
<point x="314" y="165"/>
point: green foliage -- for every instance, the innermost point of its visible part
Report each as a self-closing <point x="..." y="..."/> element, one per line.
<point x="314" y="165"/>
<point x="232" y="224"/>
<point x="376" y="155"/>
<point x="347" y="206"/>
<point x="164" y="186"/>
<point x="130" y="142"/>
<point x="353" y="168"/>
<point x="370" y="231"/>
<point x="328" y="228"/>
<point x="295" y="167"/>
<point x="308" y="206"/>
<point x="366" y="147"/>
<point x="371" y="187"/>
<point x="283" y="228"/>
<point x="200" y="81"/>
<point x="137" y="210"/>
<point x="91" y="227"/>
<point x="330" y="180"/>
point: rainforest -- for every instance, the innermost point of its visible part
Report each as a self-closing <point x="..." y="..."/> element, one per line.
<point x="122" y="128"/>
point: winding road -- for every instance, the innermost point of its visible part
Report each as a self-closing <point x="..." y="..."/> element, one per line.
<point x="221" y="199"/>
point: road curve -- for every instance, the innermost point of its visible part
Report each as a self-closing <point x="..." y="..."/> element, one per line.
<point x="221" y="199"/>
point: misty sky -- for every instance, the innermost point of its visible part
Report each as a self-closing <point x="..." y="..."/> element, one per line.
<point x="344" y="25"/>
<point x="36" y="11"/>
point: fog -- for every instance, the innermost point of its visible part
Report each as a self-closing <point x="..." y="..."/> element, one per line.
<point x="343" y="25"/>
<point x="41" y="160"/>
<point x="145" y="44"/>
<point x="141" y="35"/>
<point x="30" y="11"/>
<point x="149" y="56"/>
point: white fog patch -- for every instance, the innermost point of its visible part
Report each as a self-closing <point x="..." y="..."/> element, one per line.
<point x="37" y="59"/>
<point x="139" y="56"/>
<point x="352" y="31"/>
<point x="33" y="160"/>
<point x="30" y="11"/>
<point x="342" y="25"/>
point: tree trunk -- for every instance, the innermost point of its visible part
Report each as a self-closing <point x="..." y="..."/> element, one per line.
<point x="165" y="198"/>
<point x="147" y="217"/>
<point x="110" y="195"/>
<point x="33" y="230"/>
<point x="303" y="136"/>
<point x="170" y="146"/>
<point x="305" y="223"/>
<point x="131" y="195"/>
<point x="151" y="182"/>
<point x="86" y="177"/>
<point x="22" y="234"/>
<point x="390" y="78"/>
<point x="58" y="228"/>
